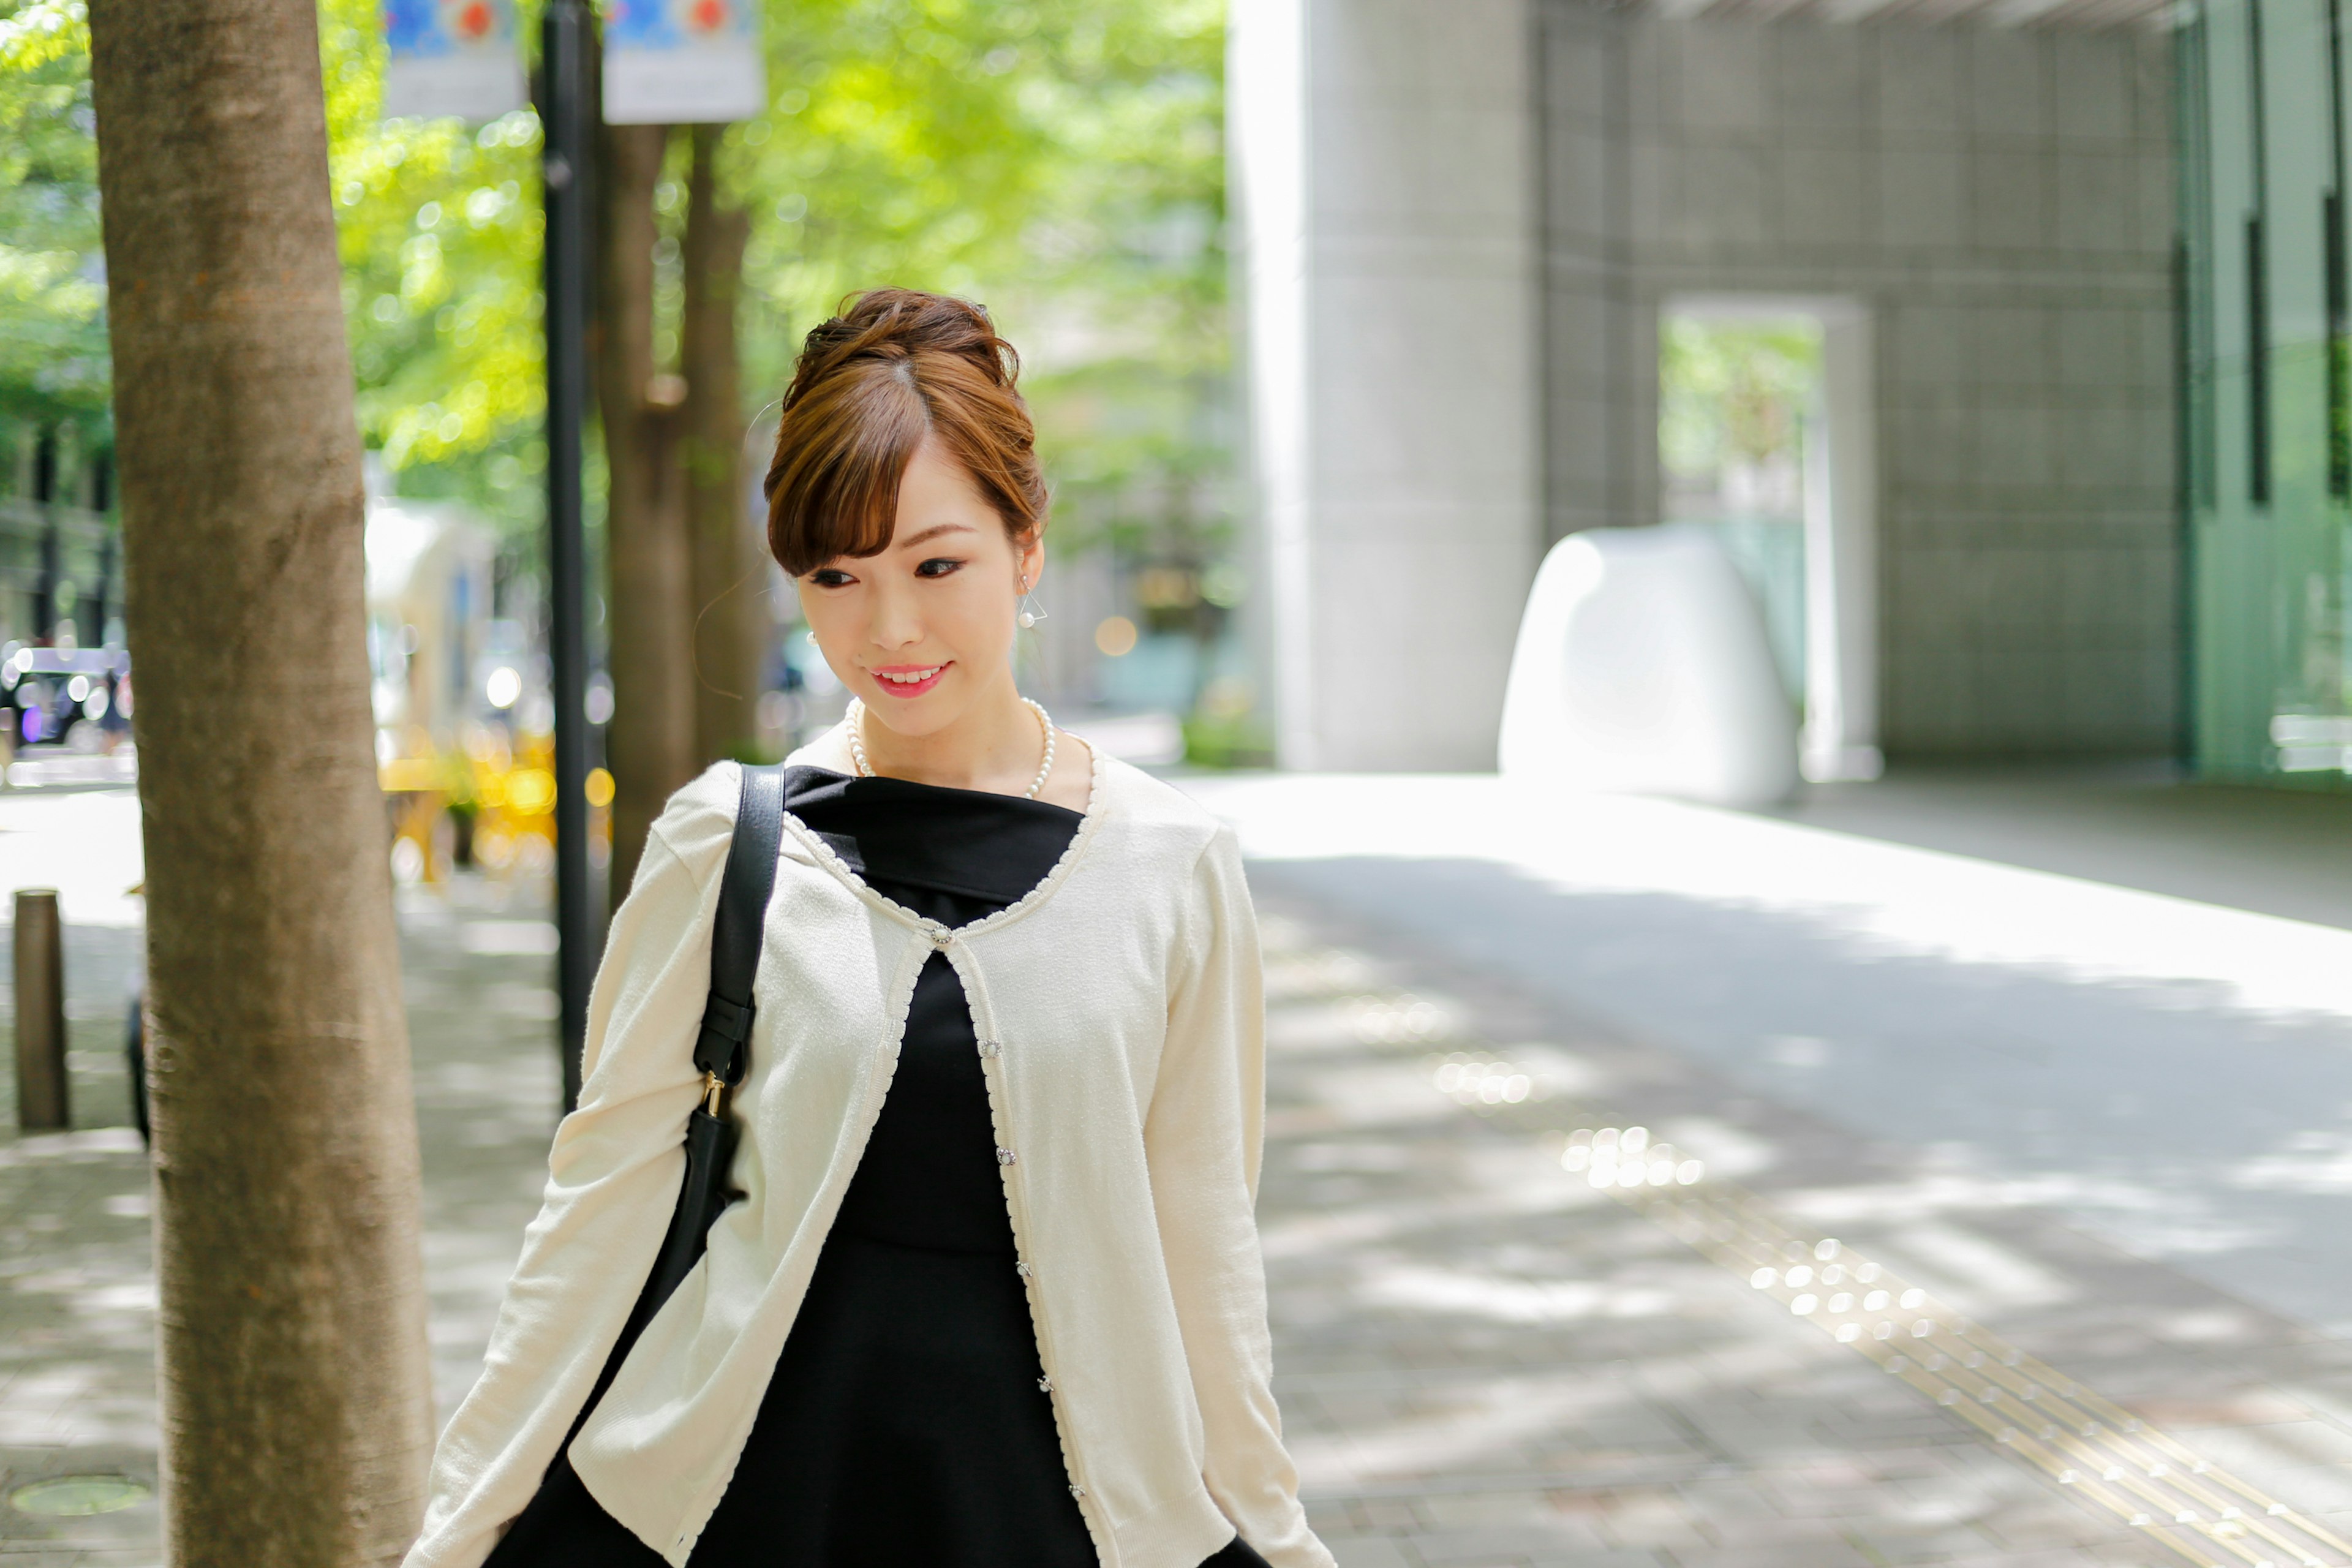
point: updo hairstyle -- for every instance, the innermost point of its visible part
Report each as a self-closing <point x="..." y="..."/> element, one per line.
<point x="895" y="366"/>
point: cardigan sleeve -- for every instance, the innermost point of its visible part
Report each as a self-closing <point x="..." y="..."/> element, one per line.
<point x="1203" y="1138"/>
<point x="613" y="1180"/>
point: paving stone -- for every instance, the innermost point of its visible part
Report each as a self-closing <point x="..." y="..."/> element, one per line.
<point x="76" y="1274"/>
<point x="1826" y="1552"/>
<point x="1481" y="1360"/>
<point x="1371" y="1552"/>
<point x="1579" y="1333"/>
<point x="1487" y="1544"/>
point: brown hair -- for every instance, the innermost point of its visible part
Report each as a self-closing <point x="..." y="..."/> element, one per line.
<point x="895" y="366"/>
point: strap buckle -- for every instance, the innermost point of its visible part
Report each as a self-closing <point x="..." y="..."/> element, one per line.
<point x="719" y="1049"/>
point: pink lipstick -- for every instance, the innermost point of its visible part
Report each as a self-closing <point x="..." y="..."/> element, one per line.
<point x="908" y="679"/>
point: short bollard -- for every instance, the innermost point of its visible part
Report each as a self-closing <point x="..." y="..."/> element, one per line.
<point x="40" y="1013"/>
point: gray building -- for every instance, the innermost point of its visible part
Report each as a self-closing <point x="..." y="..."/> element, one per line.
<point x="1462" y="222"/>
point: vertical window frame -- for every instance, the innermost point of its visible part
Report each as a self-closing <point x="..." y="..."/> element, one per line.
<point x="2258" y="291"/>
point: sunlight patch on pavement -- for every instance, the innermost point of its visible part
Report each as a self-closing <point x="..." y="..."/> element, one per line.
<point x="2119" y="1466"/>
<point x="1474" y="1429"/>
<point x="2114" y="1462"/>
<point x="514" y="938"/>
<point x="2314" y="1161"/>
<point x="1882" y="899"/>
<point x="1511" y="1299"/>
<point x="85" y="844"/>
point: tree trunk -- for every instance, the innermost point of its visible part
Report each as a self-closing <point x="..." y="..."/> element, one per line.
<point x="297" y="1415"/>
<point x="731" y="580"/>
<point x="649" y="744"/>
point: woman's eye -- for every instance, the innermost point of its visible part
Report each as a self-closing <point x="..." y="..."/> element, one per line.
<point x="938" y="567"/>
<point x="828" y="578"/>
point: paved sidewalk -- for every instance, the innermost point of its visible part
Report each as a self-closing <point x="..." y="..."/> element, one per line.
<point x="2280" y="851"/>
<point x="77" y="1282"/>
<point x="1484" y="1359"/>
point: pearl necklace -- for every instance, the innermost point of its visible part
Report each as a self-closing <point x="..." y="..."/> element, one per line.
<point x="856" y="721"/>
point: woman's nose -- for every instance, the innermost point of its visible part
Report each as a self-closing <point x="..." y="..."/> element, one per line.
<point x="895" y="622"/>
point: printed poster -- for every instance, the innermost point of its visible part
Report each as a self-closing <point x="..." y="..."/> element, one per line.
<point x="451" y="57"/>
<point x="674" y="62"/>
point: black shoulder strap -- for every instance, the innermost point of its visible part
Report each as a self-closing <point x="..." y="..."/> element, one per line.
<point x="751" y="876"/>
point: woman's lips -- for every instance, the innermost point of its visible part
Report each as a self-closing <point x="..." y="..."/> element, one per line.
<point x="910" y="679"/>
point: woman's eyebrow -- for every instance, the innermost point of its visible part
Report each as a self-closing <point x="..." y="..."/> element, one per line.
<point x="931" y="532"/>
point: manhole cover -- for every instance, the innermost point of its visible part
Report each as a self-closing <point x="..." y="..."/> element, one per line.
<point x="73" y="1496"/>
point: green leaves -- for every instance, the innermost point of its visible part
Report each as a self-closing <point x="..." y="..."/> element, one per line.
<point x="39" y="33"/>
<point x="1060" y="160"/>
<point x="53" y="350"/>
<point x="440" y="225"/>
<point x="1734" y="389"/>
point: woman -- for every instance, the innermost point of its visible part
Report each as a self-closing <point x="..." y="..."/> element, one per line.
<point x="992" y="1298"/>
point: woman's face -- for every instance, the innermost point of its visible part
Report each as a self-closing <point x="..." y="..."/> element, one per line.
<point x="921" y="630"/>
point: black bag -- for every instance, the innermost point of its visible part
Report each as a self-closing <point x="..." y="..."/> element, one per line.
<point x="722" y="1050"/>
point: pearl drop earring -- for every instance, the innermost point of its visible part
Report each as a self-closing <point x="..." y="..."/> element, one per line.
<point x="1027" y="617"/>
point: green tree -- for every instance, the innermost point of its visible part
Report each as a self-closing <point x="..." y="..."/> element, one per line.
<point x="296" y="1405"/>
<point x="1732" y="390"/>
<point x="54" y="366"/>
<point x="439" y="228"/>
<point x="1060" y="160"/>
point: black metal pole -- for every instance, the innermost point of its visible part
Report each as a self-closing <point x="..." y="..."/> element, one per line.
<point x="45" y="497"/>
<point x="563" y="36"/>
<point x="102" y="501"/>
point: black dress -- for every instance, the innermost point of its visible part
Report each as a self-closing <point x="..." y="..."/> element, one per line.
<point x="905" y="1421"/>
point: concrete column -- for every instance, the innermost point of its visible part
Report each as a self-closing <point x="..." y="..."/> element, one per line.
<point x="1841" y="737"/>
<point x="1386" y="159"/>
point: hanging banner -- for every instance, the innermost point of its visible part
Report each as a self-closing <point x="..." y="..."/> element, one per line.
<point x="451" y="56"/>
<point x="674" y="62"/>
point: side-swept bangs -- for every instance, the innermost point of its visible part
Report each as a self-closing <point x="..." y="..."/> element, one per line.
<point x="833" y="489"/>
<point x="895" y="367"/>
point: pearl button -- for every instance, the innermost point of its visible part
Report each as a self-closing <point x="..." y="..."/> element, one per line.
<point x="1006" y="1156"/>
<point x="1022" y="1269"/>
<point x="941" y="939"/>
<point x="1046" y="1385"/>
<point x="990" y="1048"/>
<point x="1079" y="1493"/>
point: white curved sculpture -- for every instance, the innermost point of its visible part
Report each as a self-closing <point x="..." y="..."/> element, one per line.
<point x="1642" y="668"/>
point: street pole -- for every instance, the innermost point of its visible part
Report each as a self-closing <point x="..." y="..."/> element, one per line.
<point x="45" y="498"/>
<point x="563" y="36"/>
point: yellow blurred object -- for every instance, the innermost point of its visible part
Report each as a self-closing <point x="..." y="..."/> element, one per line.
<point x="530" y="792"/>
<point x="600" y="787"/>
<point x="409" y="776"/>
<point x="1116" y="637"/>
<point x="491" y="802"/>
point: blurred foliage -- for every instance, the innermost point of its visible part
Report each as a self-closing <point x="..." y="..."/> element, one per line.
<point x="440" y="233"/>
<point x="54" y="363"/>
<point x="440" y="243"/>
<point x="1224" y="730"/>
<point x="1732" y="389"/>
<point x="1060" y="160"/>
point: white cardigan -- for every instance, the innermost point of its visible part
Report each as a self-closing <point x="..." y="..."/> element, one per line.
<point x="1121" y="1024"/>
